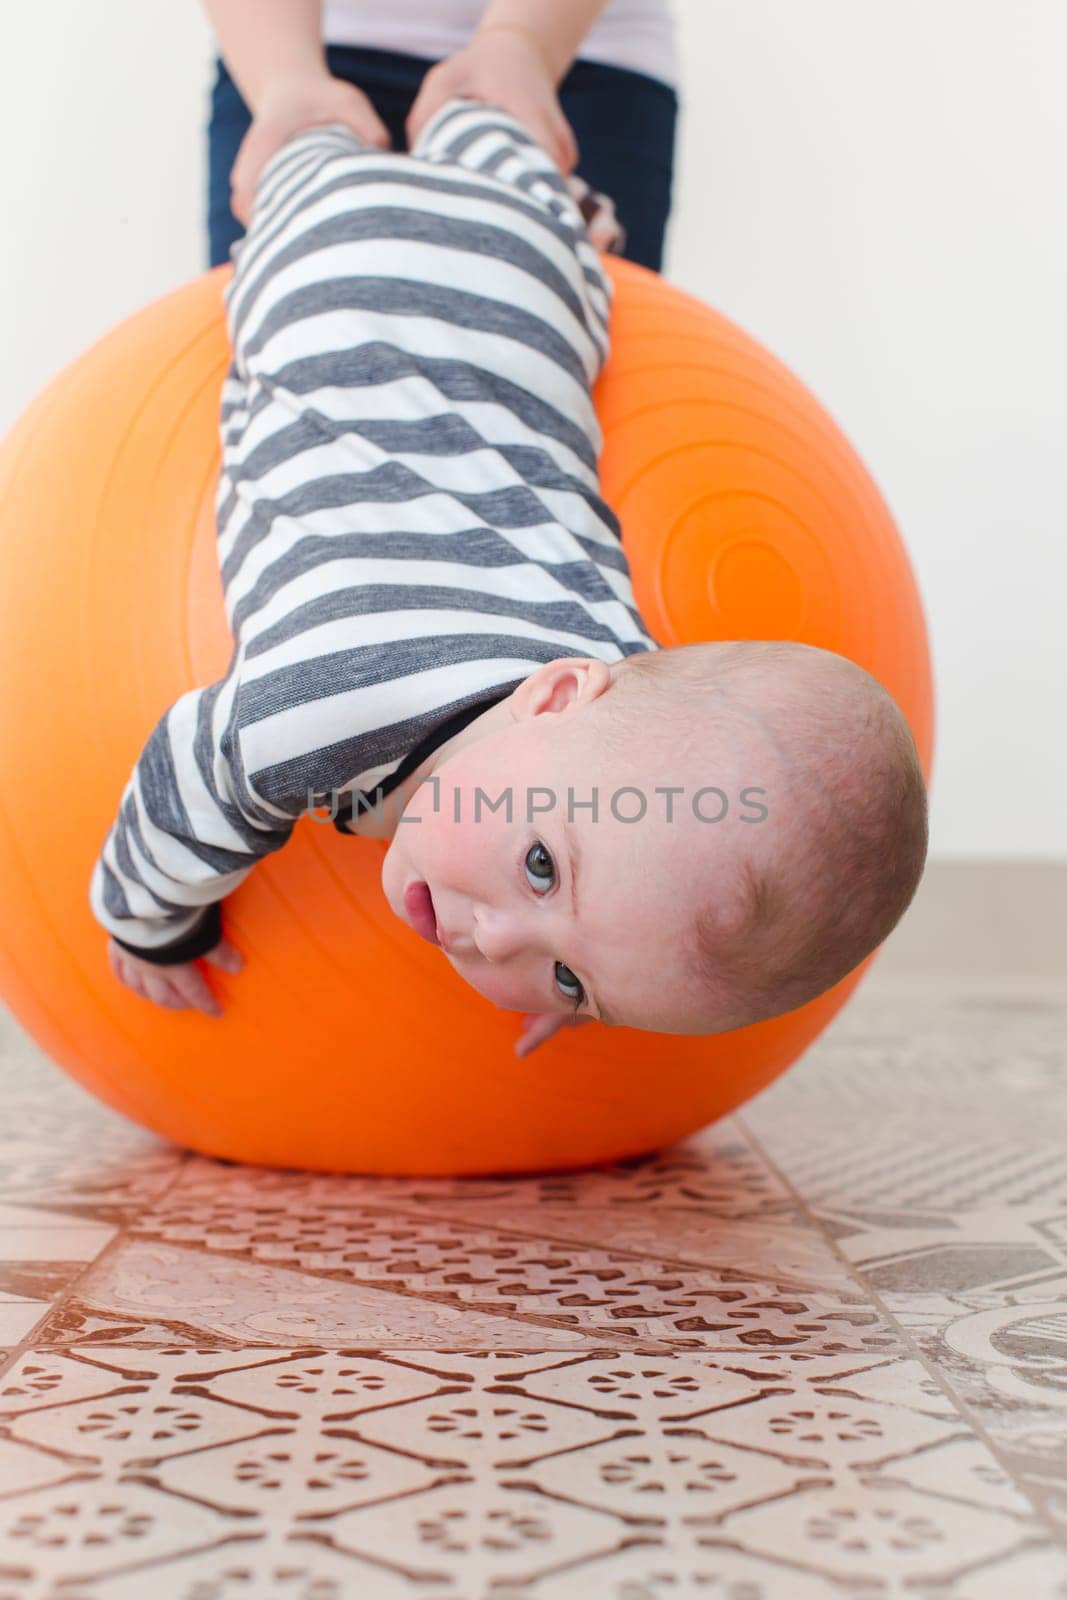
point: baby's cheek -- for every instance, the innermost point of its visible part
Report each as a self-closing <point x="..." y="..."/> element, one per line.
<point x="463" y="854"/>
<point x="510" y="992"/>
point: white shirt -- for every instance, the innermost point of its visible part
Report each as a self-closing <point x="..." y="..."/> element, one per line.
<point x="636" y="34"/>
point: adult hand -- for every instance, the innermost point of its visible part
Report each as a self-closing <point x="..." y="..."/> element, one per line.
<point x="537" y="1026"/>
<point x="176" y="987"/>
<point x="289" y="106"/>
<point x="501" y="67"/>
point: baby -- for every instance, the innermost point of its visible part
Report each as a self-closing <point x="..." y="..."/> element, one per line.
<point x="436" y="636"/>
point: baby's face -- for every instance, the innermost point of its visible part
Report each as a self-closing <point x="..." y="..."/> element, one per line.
<point x="554" y="909"/>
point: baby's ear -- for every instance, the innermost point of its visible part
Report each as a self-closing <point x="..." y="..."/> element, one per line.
<point x="572" y="680"/>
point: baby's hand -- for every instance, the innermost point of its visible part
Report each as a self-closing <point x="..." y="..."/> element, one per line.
<point x="179" y="986"/>
<point x="287" y="108"/>
<point x="537" y="1026"/>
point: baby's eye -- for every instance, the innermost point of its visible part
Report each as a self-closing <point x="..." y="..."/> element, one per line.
<point x="540" y="872"/>
<point x="565" y="976"/>
<point x="539" y="868"/>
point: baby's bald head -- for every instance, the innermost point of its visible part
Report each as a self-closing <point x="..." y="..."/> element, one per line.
<point x="836" y="862"/>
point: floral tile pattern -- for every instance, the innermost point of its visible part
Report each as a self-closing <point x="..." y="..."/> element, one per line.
<point x="952" y="1209"/>
<point x="71" y="1174"/>
<point x="818" y="1350"/>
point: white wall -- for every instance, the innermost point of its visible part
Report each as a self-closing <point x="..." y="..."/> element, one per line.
<point x="875" y="191"/>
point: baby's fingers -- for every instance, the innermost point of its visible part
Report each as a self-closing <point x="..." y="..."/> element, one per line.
<point x="537" y="1027"/>
<point x="225" y="957"/>
<point x="191" y="988"/>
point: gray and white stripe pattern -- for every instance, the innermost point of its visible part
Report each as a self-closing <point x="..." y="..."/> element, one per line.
<point x="409" y="515"/>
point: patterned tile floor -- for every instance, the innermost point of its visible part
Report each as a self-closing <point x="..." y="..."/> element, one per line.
<point x="819" y="1350"/>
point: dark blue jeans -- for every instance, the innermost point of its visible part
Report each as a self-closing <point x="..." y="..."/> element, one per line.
<point x="624" y="123"/>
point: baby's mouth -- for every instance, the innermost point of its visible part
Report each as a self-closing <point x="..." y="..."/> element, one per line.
<point x="418" y="904"/>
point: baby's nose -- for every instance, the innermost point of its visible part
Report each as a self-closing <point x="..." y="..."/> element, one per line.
<point x="497" y="934"/>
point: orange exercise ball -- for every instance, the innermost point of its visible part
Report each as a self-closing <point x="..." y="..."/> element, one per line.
<point x="347" y="1042"/>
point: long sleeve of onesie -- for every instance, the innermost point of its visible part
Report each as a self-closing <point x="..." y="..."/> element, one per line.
<point x="409" y="517"/>
<point x="189" y="829"/>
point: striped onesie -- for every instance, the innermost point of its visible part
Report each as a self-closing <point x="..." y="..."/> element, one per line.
<point x="409" y="515"/>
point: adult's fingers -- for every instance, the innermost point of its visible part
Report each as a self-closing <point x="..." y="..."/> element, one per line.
<point x="431" y="95"/>
<point x="541" y="116"/>
<point x="365" y="121"/>
<point x="564" y="148"/>
<point x="256" y="149"/>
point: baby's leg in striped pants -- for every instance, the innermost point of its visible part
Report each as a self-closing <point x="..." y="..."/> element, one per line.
<point x="488" y="139"/>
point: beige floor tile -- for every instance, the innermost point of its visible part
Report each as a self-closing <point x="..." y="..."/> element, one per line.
<point x="265" y="1565"/>
<point x="479" y="1537"/>
<point x="24" y="1470"/>
<point x="18" y="1318"/>
<point x="83" y="1529"/>
<point x="55" y="1241"/>
<point x="851" y="1529"/>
